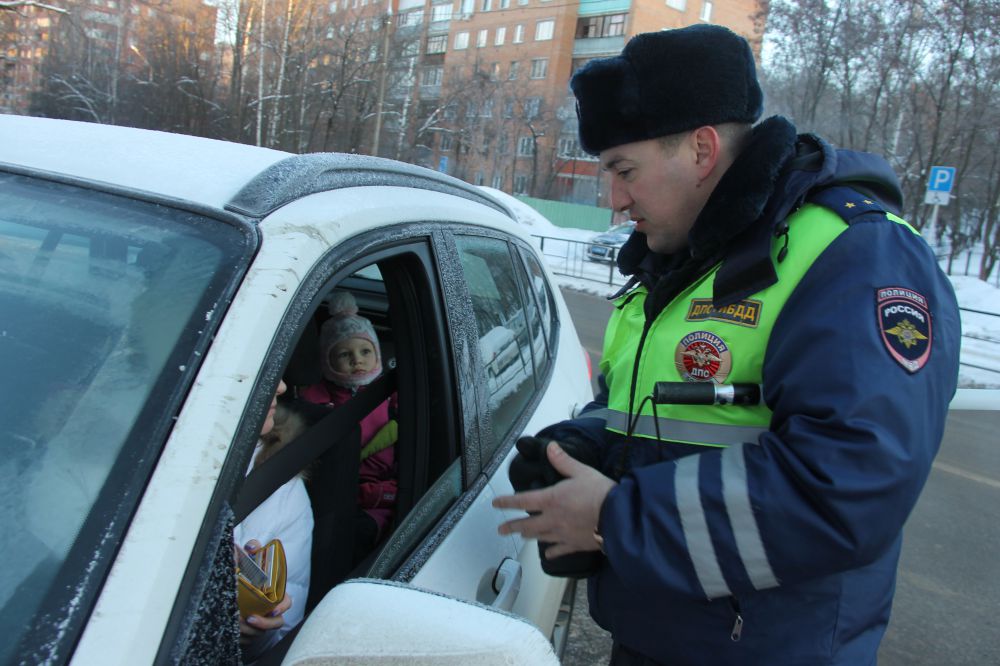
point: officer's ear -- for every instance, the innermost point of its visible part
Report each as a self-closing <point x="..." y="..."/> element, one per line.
<point x="707" y="147"/>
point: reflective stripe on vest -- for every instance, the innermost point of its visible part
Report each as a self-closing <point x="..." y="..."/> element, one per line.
<point x="674" y="430"/>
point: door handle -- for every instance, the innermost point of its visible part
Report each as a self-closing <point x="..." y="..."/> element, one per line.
<point x="506" y="584"/>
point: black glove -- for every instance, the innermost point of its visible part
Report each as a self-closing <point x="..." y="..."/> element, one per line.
<point x="531" y="470"/>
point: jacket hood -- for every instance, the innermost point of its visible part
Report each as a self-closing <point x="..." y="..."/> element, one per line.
<point x="774" y="175"/>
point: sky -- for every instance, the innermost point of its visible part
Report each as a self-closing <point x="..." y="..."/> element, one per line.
<point x="981" y="333"/>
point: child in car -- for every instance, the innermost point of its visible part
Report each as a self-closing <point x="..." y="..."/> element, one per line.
<point x="287" y="516"/>
<point x="351" y="359"/>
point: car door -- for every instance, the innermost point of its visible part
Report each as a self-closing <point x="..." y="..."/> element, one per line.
<point x="444" y="532"/>
<point x="508" y="291"/>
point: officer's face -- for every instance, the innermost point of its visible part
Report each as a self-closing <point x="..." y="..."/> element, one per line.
<point x="658" y="187"/>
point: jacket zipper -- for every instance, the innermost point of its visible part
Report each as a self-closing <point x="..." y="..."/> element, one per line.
<point x="737" y="630"/>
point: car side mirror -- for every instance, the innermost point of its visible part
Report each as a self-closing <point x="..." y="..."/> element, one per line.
<point x="368" y="621"/>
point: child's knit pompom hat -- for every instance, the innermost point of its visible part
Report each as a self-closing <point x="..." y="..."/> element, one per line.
<point x="345" y="323"/>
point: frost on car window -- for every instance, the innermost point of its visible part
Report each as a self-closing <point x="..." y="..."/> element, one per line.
<point x="96" y="295"/>
<point x="504" y="336"/>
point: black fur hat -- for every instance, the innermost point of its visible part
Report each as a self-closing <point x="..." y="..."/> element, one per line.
<point x="664" y="83"/>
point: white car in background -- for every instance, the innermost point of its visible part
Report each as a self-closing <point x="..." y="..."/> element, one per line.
<point x="154" y="289"/>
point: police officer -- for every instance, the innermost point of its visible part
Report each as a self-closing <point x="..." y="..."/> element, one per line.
<point x="742" y="534"/>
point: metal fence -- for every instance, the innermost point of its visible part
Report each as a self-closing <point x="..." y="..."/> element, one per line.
<point x="986" y="348"/>
<point x="572" y="258"/>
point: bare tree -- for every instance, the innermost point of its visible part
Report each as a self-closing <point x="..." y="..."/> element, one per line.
<point x="913" y="79"/>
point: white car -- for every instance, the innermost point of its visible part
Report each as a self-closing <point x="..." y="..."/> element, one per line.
<point x="154" y="289"/>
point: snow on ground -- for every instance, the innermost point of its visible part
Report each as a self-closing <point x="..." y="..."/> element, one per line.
<point x="564" y="252"/>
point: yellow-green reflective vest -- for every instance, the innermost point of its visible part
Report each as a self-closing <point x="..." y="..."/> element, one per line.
<point x="690" y="340"/>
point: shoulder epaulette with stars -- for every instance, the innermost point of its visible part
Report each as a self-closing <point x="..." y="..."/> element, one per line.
<point x="846" y="202"/>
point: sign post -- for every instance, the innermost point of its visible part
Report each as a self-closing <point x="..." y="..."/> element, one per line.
<point x="939" y="186"/>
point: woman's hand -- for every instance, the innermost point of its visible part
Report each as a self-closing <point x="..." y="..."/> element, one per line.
<point x="255" y="625"/>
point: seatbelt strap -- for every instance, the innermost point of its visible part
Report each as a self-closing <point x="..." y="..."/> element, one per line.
<point x="297" y="454"/>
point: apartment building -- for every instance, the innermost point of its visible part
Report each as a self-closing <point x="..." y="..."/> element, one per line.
<point x="24" y="39"/>
<point x="122" y="32"/>
<point x="500" y="70"/>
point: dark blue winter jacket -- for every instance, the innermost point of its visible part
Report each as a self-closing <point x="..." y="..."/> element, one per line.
<point x="851" y="441"/>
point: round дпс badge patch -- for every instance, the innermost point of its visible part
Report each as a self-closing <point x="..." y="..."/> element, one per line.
<point x="904" y="322"/>
<point x="703" y="357"/>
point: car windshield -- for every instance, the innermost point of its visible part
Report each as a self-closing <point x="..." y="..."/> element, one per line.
<point x="102" y="300"/>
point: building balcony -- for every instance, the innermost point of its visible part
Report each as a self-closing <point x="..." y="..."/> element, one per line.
<point x="439" y="26"/>
<point x="598" y="46"/>
<point x="430" y="92"/>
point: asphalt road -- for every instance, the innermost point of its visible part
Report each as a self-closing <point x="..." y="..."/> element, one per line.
<point x="947" y="601"/>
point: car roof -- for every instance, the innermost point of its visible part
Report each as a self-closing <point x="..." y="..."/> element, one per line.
<point x="248" y="180"/>
<point x="195" y="169"/>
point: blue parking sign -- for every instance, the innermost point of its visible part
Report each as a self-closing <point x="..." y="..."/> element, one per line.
<point x="942" y="179"/>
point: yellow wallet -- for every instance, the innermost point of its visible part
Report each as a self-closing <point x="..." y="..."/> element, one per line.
<point x="260" y="579"/>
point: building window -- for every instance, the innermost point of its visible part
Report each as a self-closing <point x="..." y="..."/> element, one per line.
<point x="512" y="72"/>
<point x="569" y="147"/>
<point x="508" y="109"/>
<point x="487" y="110"/>
<point x="531" y="107"/>
<point x="679" y="5"/>
<point x="706" y="10"/>
<point x="437" y="44"/>
<point x="411" y="48"/>
<point x="486" y="5"/>
<point x="461" y="40"/>
<point x="518" y="33"/>
<point x="432" y="76"/>
<point x="503" y="145"/>
<point x="441" y="13"/>
<point x="539" y="68"/>
<point x="497" y="182"/>
<point x="501" y="34"/>
<point x="481" y="38"/>
<point x="544" y="30"/>
<point x="446" y="141"/>
<point x="479" y="178"/>
<point x="411" y="18"/>
<point x="504" y="4"/>
<point x="610" y="25"/>
<point x="525" y="146"/>
<point x="520" y="184"/>
<point x="615" y="25"/>
<point x="495" y="71"/>
<point x="522" y="2"/>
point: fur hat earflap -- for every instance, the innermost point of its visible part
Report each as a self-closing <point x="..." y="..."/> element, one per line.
<point x="664" y="83"/>
<point x="345" y="323"/>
